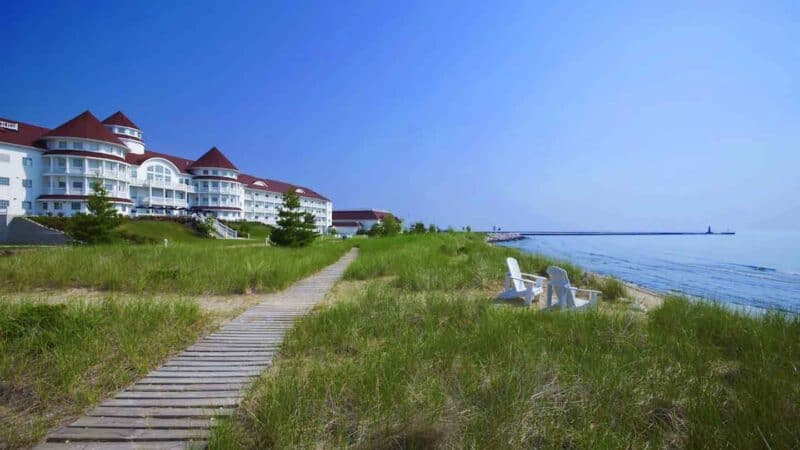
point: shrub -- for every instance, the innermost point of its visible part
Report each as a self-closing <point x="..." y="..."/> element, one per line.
<point x="611" y="288"/>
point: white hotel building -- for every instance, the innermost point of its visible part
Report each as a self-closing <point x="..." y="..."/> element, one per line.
<point x="51" y="171"/>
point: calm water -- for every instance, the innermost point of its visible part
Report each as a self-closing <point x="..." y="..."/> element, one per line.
<point x="757" y="269"/>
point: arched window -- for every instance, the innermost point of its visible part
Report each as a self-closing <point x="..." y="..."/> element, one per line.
<point x="159" y="172"/>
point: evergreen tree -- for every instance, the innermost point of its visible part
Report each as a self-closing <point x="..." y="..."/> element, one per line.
<point x="295" y="227"/>
<point x="97" y="226"/>
<point x="391" y="226"/>
<point x="432" y="229"/>
<point x="417" y="228"/>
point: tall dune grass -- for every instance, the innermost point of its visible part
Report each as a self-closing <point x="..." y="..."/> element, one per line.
<point x="58" y="359"/>
<point x="182" y="268"/>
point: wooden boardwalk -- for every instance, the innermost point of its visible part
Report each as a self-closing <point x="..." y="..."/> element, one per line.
<point x="174" y="405"/>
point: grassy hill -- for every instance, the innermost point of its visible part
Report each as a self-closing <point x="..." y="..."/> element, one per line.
<point x="157" y="230"/>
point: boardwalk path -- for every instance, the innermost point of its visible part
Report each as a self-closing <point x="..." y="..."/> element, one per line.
<point x="173" y="406"/>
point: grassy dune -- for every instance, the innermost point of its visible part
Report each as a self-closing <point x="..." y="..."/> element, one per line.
<point x="202" y="267"/>
<point x="158" y="230"/>
<point x="57" y="360"/>
<point x="417" y="356"/>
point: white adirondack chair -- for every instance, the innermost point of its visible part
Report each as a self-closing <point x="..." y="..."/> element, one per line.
<point x="521" y="285"/>
<point x="559" y="283"/>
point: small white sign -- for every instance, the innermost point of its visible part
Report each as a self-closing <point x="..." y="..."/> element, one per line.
<point x="9" y="125"/>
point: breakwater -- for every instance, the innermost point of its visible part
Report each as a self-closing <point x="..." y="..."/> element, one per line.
<point x="504" y="237"/>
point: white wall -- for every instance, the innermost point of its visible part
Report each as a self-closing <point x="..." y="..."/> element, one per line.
<point x="11" y="167"/>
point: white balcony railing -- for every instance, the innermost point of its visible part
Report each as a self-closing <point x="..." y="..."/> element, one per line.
<point x="162" y="201"/>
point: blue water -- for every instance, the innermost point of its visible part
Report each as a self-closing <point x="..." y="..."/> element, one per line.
<point x="751" y="269"/>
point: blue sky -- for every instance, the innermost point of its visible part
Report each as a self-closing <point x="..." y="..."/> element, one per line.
<point x="520" y="115"/>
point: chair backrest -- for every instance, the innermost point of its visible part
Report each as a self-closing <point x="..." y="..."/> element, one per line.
<point x="513" y="270"/>
<point x="559" y="281"/>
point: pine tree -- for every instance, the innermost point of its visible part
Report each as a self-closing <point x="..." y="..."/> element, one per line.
<point x="295" y="227"/>
<point x="97" y="226"/>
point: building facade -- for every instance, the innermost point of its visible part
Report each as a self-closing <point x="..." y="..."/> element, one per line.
<point x="351" y="221"/>
<point x="51" y="172"/>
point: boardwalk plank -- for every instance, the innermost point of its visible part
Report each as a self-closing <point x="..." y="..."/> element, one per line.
<point x="205" y="387"/>
<point x="174" y="402"/>
<point x="129" y="422"/>
<point x="164" y="413"/>
<point x="180" y="394"/>
<point x="127" y="434"/>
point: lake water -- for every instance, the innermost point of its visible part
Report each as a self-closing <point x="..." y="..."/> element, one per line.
<point x="751" y="269"/>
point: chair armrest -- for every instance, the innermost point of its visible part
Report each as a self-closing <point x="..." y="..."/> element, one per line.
<point x="592" y="291"/>
<point x="537" y="277"/>
<point x="533" y="282"/>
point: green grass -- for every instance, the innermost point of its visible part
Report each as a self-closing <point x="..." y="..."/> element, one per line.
<point x="209" y="266"/>
<point x="158" y="230"/>
<point x="251" y="230"/>
<point x="418" y="361"/>
<point x="56" y="360"/>
<point x="443" y="262"/>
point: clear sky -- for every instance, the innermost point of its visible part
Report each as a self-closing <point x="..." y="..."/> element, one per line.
<point x="520" y="115"/>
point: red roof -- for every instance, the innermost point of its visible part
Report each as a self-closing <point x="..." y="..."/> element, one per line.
<point x="26" y="134"/>
<point x="214" y="158"/>
<point x="181" y="163"/>
<point x="277" y="186"/>
<point x="120" y="119"/>
<point x="359" y="214"/>
<point x="85" y="125"/>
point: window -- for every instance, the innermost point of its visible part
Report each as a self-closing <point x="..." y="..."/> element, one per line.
<point x="27" y="183"/>
<point x="62" y="144"/>
<point x="27" y="161"/>
<point x="77" y="185"/>
<point x="214" y="172"/>
<point x="3" y="204"/>
<point x="76" y="206"/>
<point x="93" y="146"/>
<point x="94" y="164"/>
<point x="56" y="205"/>
<point x="77" y="164"/>
<point x="26" y="205"/>
<point x="77" y="145"/>
<point x="62" y="184"/>
<point x="205" y="172"/>
<point x="4" y="181"/>
<point x="44" y="206"/>
<point x="133" y="173"/>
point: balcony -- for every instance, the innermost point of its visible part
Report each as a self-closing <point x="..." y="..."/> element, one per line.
<point x="165" y="185"/>
<point x="93" y="173"/>
<point x="161" y="201"/>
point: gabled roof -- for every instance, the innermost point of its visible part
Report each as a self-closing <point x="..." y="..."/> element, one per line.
<point x="182" y="164"/>
<point x="281" y="187"/>
<point x="118" y="118"/>
<point x="26" y="134"/>
<point x="214" y="158"/>
<point x="359" y="214"/>
<point x="84" y="125"/>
